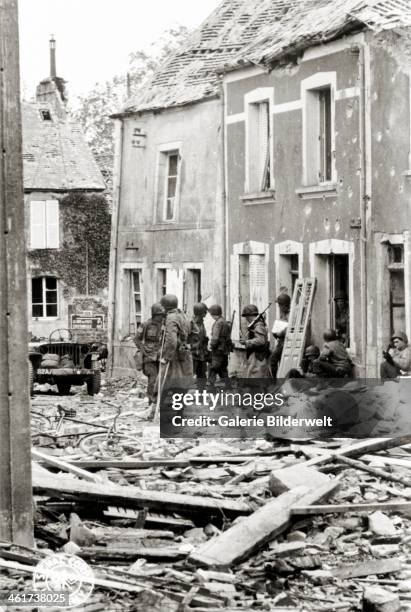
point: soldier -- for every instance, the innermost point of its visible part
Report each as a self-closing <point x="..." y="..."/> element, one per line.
<point x="220" y="345"/>
<point x="176" y="350"/>
<point x="148" y="341"/>
<point x="199" y="341"/>
<point x="334" y="361"/>
<point x="283" y="301"/>
<point x="256" y="344"/>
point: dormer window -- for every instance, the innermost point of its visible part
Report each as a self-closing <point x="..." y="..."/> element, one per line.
<point x="45" y="114"/>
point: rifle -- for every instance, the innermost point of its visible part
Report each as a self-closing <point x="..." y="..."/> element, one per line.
<point x="258" y="318"/>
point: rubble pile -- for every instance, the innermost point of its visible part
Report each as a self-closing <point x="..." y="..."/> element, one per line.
<point x="281" y="525"/>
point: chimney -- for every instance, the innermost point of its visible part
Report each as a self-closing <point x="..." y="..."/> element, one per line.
<point x="53" y="72"/>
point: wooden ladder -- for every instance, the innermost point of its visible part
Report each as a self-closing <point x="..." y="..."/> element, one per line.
<point x="300" y="315"/>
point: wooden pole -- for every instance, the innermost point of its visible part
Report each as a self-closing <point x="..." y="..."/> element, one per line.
<point x="16" y="518"/>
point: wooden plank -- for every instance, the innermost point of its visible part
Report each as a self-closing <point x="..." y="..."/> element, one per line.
<point x="64" y="466"/>
<point x="120" y="554"/>
<point x="383" y="460"/>
<point x="250" y="534"/>
<point x="303" y="509"/>
<point x="359" y="448"/>
<point x="368" y="568"/>
<point x="133" y="497"/>
<point x="359" y="465"/>
<point x="128" y="465"/>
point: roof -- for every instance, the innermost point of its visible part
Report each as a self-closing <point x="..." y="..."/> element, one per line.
<point x="190" y="75"/>
<point x="56" y="156"/>
<point x="313" y="22"/>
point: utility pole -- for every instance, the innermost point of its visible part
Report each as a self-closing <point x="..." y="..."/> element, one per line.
<point x="16" y="515"/>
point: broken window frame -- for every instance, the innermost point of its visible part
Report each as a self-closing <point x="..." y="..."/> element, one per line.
<point x="396" y="267"/>
<point x="193" y="274"/>
<point x="48" y="300"/>
<point x="136" y="295"/>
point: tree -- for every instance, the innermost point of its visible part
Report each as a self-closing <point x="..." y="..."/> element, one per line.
<point x="94" y="109"/>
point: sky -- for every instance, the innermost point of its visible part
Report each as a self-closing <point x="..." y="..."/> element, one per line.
<point x="95" y="37"/>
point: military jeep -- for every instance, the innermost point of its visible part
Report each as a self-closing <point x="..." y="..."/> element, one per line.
<point x="63" y="362"/>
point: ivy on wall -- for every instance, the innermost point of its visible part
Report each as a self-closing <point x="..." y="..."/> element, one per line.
<point x="83" y="256"/>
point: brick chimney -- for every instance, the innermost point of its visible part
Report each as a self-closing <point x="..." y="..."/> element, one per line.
<point x="53" y="72"/>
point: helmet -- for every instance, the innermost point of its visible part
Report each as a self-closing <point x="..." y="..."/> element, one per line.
<point x="312" y="351"/>
<point x="330" y="335"/>
<point x="283" y="299"/>
<point x="401" y="336"/>
<point x="215" y="310"/>
<point x="200" y="309"/>
<point x="250" y="310"/>
<point x="169" y="301"/>
<point x="157" y="309"/>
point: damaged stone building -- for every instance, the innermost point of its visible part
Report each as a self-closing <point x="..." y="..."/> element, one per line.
<point x="67" y="219"/>
<point x="295" y="163"/>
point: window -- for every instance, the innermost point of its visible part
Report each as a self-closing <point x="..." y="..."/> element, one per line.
<point x="318" y="129"/>
<point x="339" y="292"/>
<point x="135" y="299"/>
<point x="252" y="283"/>
<point x="44" y="297"/>
<point x="45" y="114"/>
<point x="192" y="289"/>
<point x="161" y="282"/>
<point x="44" y="224"/>
<point x="168" y="184"/>
<point x="259" y="163"/>
<point x="324" y="99"/>
<point x="397" y="287"/>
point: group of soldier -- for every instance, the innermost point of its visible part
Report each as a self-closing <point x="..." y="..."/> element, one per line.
<point x="172" y="345"/>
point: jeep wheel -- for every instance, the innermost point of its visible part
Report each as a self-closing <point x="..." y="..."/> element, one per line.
<point x="94" y="383"/>
<point x="31" y="379"/>
<point x="64" y="388"/>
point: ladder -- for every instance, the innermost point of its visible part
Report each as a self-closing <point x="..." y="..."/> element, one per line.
<point x="299" y="319"/>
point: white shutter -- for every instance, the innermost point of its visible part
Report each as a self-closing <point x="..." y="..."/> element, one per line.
<point x="52" y="224"/>
<point x="263" y="127"/>
<point x="258" y="285"/>
<point x="38" y="225"/>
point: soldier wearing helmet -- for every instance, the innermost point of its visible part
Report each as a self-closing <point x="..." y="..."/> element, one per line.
<point x="148" y="341"/>
<point x="256" y="343"/>
<point x="199" y="341"/>
<point x="397" y="360"/>
<point x="176" y="349"/>
<point x="279" y="331"/>
<point x="334" y="361"/>
<point x="220" y="345"/>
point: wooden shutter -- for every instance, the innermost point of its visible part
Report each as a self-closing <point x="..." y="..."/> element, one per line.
<point x="263" y="143"/>
<point x="52" y="224"/>
<point x="257" y="281"/>
<point x="38" y="225"/>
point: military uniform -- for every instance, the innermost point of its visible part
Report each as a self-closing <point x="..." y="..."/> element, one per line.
<point x="198" y="341"/>
<point x="257" y="347"/>
<point x="176" y="349"/>
<point x="221" y="347"/>
<point x="148" y="341"/>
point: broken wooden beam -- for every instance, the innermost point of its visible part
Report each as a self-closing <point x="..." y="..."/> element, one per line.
<point x="132" y="464"/>
<point x="300" y="509"/>
<point x="125" y="555"/>
<point x="368" y="568"/>
<point x="359" y="465"/>
<point x="250" y="534"/>
<point x="133" y="497"/>
<point x="63" y="466"/>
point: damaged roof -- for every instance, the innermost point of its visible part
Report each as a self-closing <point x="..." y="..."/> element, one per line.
<point x="56" y="156"/>
<point x="247" y="32"/>
<point x="313" y="22"/>
<point x="190" y="75"/>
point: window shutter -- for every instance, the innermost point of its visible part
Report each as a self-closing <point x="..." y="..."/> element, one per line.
<point x="257" y="281"/>
<point x="52" y="220"/>
<point x="263" y="129"/>
<point x="38" y="225"/>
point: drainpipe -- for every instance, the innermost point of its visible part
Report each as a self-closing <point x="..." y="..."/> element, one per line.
<point x="114" y="263"/>
<point x="365" y="187"/>
<point x="224" y="204"/>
